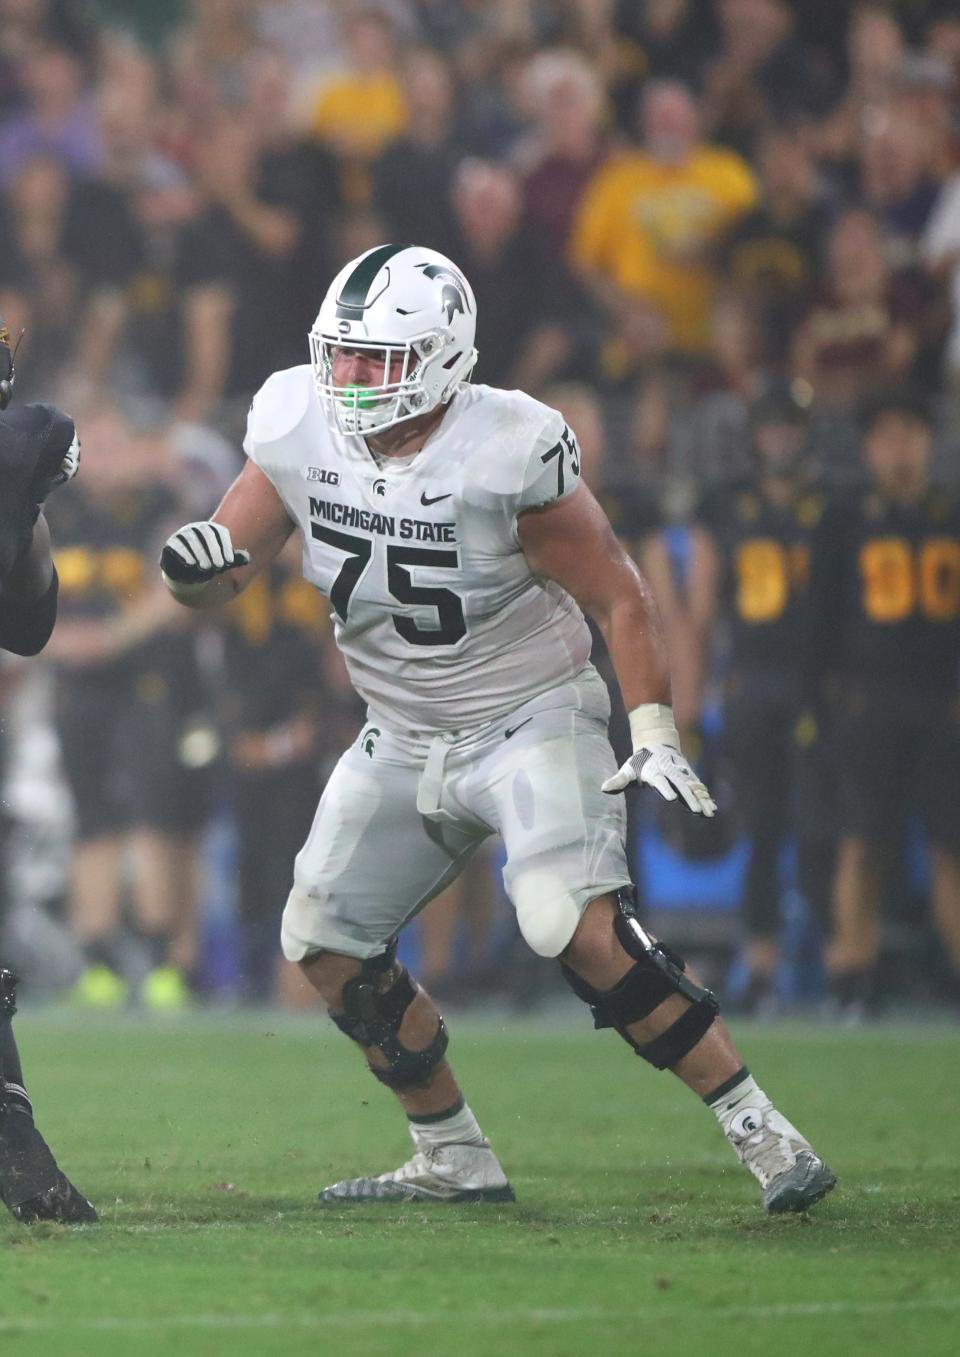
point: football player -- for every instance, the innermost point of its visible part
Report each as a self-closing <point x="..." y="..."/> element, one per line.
<point x="885" y="645"/>
<point x="448" y="525"/>
<point x="749" y="568"/>
<point x="39" y="450"/>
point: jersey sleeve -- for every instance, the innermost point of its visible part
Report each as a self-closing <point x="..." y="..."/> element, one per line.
<point x="276" y="437"/>
<point x="251" y="443"/>
<point x="552" y="471"/>
<point x="275" y="414"/>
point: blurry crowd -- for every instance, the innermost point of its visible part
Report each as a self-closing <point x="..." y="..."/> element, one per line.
<point x="723" y="236"/>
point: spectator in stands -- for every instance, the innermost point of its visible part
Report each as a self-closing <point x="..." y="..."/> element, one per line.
<point x="650" y="218"/>
<point x="520" y="335"/>
<point x="120" y="724"/>
<point x="940" y="251"/>
<point x="862" y="333"/>
<point x="885" y="647"/>
<point x="78" y="247"/>
<point x="59" y="120"/>
<point x="359" y="112"/>
<point x="235" y="266"/>
<point x="712" y="440"/>
<point x="633" y="346"/>
<point x="493" y="93"/>
<point x="875" y="53"/>
<point x="426" y="155"/>
<point x="898" y="184"/>
<point x="672" y="40"/>
<point x="26" y="26"/>
<point x="308" y="34"/>
<point x="567" y="144"/>
<point x="924" y="93"/>
<point x="772" y="255"/>
<point x="761" y="73"/>
<point x="210" y="55"/>
<point x="942" y="36"/>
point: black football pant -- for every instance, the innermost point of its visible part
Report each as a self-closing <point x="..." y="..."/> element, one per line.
<point x="9" y="1055"/>
<point x="274" y="811"/>
<point x="780" y="791"/>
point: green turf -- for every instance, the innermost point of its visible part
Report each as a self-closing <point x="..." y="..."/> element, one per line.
<point x="635" y="1231"/>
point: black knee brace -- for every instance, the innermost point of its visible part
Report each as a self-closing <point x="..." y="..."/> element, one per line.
<point x="658" y="973"/>
<point x="372" y="1016"/>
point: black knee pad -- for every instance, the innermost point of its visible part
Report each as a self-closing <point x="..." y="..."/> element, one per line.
<point x="658" y="973"/>
<point x="372" y="1014"/>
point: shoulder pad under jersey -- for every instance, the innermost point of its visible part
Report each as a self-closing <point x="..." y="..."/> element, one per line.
<point x="279" y="406"/>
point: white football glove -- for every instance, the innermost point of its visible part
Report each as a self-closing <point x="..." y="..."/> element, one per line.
<point x="657" y="761"/>
<point x="196" y="553"/>
<point x="70" y="464"/>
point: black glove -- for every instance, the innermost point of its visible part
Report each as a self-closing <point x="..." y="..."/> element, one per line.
<point x="39" y="450"/>
<point x="195" y="553"/>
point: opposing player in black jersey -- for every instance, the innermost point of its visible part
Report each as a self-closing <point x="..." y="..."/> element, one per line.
<point x="749" y="575"/>
<point x="124" y="676"/>
<point x="38" y="451"/>
<point x="885" y="642"/>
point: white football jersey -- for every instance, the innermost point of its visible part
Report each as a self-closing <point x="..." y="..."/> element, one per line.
<point x="441" y="622"/>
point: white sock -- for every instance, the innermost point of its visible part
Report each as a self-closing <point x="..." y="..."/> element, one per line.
<point x="457" y="1127"/>
<point x="739" y="1106"/>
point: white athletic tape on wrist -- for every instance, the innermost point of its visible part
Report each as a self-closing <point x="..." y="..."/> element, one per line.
<point x="652" y="724"/>
<point x="184" y="588"/>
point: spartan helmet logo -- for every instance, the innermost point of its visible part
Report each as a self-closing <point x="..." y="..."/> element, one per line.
<point x="379" y="487"/>
<point x="368" y="740"/>
<point x="453" y="298"/>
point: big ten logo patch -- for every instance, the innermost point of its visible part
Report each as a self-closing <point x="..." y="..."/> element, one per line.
<point x="323" y="475"/>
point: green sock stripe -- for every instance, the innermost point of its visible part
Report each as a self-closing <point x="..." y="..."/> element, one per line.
<point x="430" y="1118"/>
<point x="741" y="1074"/>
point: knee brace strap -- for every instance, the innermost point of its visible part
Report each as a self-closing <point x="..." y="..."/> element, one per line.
<point x="679" y="1039"/>
<point x="658" y="973"/>
<point x="372" y="1016"/>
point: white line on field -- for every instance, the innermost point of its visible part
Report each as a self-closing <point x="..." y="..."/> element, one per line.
<point x="492" y="1318"/>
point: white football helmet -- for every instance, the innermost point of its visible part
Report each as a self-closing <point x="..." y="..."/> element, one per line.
<point x="395" y="299"/>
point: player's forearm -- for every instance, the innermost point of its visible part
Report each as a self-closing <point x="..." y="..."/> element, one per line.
<point x="32" y="576"/>
<point x="28" y="598"/>
<point x="212" y="594"/>
<point x="634" y="636"/>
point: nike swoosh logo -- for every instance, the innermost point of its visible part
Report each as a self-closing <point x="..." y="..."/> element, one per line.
<point x="426" y="500"/>
<point x="507" y="733"/>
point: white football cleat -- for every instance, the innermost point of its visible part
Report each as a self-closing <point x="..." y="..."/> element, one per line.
<point x="440" y="1173"/>
<point x="791" y="1175"/>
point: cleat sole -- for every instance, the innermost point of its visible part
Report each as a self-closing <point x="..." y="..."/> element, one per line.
<point x="480" y="1194"/>
<point x="809" y="1188"/>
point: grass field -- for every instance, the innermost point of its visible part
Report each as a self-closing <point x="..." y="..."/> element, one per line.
<point x="635" y="1231"/>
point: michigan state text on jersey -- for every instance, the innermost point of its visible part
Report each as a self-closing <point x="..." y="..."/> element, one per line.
<point x="451" y="533"/>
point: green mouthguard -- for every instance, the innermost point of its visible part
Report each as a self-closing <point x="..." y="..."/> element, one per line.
<point x="359" y="397"/>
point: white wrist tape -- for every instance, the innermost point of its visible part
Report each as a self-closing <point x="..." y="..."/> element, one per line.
<point x="183" y="588"/>
<point x="652" y="723"/>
